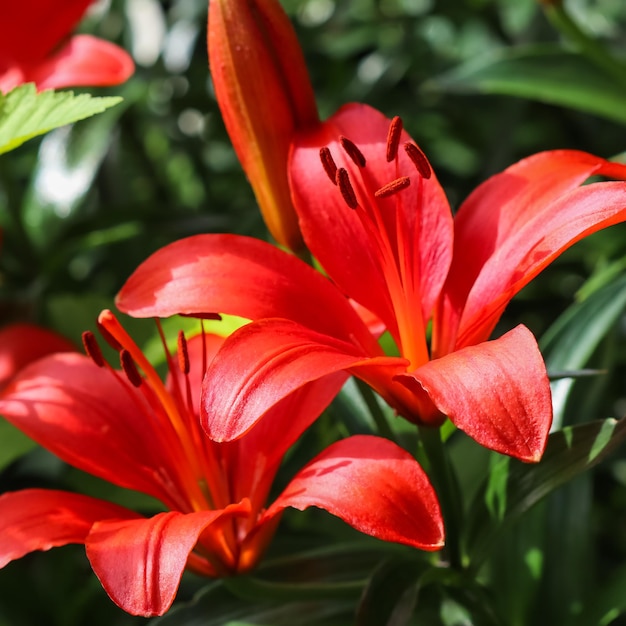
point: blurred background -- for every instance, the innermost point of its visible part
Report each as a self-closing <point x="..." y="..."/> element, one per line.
<point x="479" y="84"/>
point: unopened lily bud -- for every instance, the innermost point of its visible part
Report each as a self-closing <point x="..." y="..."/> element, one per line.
<point x="265" y="96"/>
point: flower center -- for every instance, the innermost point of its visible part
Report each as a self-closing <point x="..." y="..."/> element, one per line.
<point x="392" y="224"/>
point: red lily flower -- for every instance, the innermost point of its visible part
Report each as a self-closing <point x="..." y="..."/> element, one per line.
<point x="137" y="432"/>
<point x="36" y="46"/>
<point x="21" y="344"/>
<point x="383" y="231"/>
<point x="264" y="93"/>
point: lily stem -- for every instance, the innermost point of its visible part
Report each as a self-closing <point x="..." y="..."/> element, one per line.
<point x="445" y="482"/>
<point x="382" y="425"/>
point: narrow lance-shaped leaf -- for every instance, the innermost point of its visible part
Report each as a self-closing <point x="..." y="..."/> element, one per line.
<point x="540" y="72"/>
<point x="513" y="488"/>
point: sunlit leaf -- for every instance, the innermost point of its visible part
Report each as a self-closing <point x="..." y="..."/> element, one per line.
<point x="539" y="72"/>
<point x="25" y="114"/>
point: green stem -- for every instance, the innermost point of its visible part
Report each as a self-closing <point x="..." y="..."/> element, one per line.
<point x="445" y="482"/>
<point x="382" y="425"/>
<point x="587" y="45"/>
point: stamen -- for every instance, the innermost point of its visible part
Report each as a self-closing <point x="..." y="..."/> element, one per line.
<point x="419" y="159"/>
<point x="352" y="151"/>
<point x="130" y="368"/>
<point x="345" y="186"/>
<point x="393" y="187"/>
<point x="183" y="353"/>
<point x="330" y="167"/>
<point x="204" y="316"/>
<point x="92" y="349"/>
<point x="393" y="138"/>
<point x="108" y="337"/>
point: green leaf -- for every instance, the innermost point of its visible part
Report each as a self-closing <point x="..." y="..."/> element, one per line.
<point x="545" y="73"/>
<point x="216" y="606"/>
<point x="13" y="443"/>
<point x="516" y="487"/>
<point x="605" y="603"/>
<point x="25" y="114"/>
<point x="572" y="339"/>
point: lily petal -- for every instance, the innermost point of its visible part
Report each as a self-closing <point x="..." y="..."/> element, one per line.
<point x="498" y="392"/>
<point x="83" y="61"/>
<point x="31" y="28"/>
<point x="140" y="562"/>
<point x="21" y="344"/>
<point x="273" y="358"/>
<point x="373" y="485"/>
<point x="238" y="276"/>
<point x="40" y="519"/>
<point x="412" y="241"/>
<point x="511" y="227"/>
<point x="88" y="418"/>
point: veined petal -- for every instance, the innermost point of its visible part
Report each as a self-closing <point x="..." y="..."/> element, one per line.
<point x="265" y="95"/>
<point x="497" y="392"/>
<point x="266" y="361"/>
<point x="511" y="227"/>
<point x="401" y="253"/>
<point x="91" y="420"/>
<point x="239" y="276"/>
<point x="21" y="344"/>
<point x="83" y="61"/>
<point x="373" y="485"/>
<point x="40" y="519"/>
<point x="140" y="562"/>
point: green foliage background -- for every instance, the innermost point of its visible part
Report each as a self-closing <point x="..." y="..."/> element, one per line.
<point x="479" y="84"/>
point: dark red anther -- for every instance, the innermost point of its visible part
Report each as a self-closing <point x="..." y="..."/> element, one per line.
<point x="203" y="316"/>
<point x="330" y="167"/>
<point x="419" y="159"/>
<point x="393" y="138"/>
<point x="345" y="186"/>
<point x="183" y="353"/>
<point x="393" y="187"/>
<point x="109" y="338"/>
<point x="130" y="368"/>
<point x="92" y="349"/>
<point x="352" y="151"/>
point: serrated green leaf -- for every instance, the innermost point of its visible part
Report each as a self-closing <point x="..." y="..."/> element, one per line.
<point x="25" y="114"/>
<point x="569" y="453"/>
<point x="545" y="73"/>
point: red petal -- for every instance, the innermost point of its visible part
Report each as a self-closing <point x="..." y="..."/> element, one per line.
<point x="373" y="485"/>
<point x="238" y="276"/>
<point x="497" y="392"/>
<point x="140" y="562"/>
<point x="30" y="29"/>
<point x="263" y="363"/>
<point x="515" y="224"/>
<point x="91" y="420"/>
<point x="21" y="344"/>
<point x="40" y="519"/>
<point x="417" y="221"/>
<point x="83" y="61"/>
